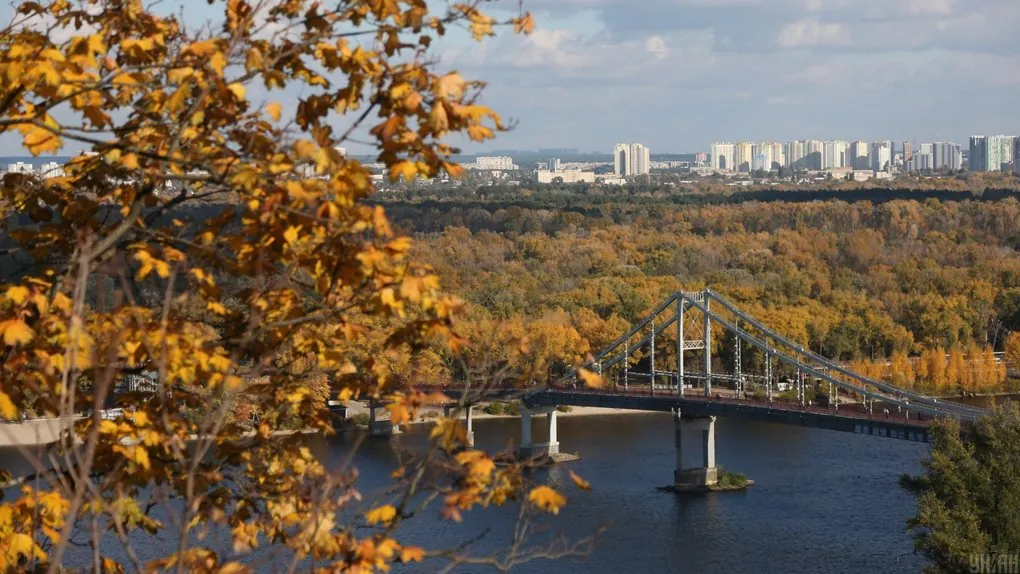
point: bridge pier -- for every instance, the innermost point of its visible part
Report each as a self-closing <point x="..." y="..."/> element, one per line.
<point x="528" y="448"/>
<point x="695" y="452"/>
<point x="379" y="427"/>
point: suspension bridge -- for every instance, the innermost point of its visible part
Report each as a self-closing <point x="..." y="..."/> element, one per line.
<point x="665" y="362"/>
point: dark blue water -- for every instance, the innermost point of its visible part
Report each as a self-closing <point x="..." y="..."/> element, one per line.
<point x="823" y="500"/>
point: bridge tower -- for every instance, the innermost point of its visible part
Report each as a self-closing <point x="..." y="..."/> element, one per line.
<point x="702" y="341"/>
<point x="695" y="452"/>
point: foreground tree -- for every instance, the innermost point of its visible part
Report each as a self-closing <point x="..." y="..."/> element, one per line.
<point x="213" y="245"/>
<point x="968" y="497"/>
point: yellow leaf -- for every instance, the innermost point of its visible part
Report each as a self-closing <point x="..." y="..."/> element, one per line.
<point x="580" y="482"/>
<point x="412" y="554"/>
<point x="16" y="331"/>
<point x="18" y="294"/>
<point x="291" y="235"/>
<point x="590" y="379"/>
<point x="547" y="499"/>
<point x="234" y="568"/>
<point x="405" y="170"/>
<point x="273" y="110"/>
<point x="237" y="89"/>
<point x="217" y="308"/>
<point x="141" y="456"/>
<point x="218" y="62"/>
<point x="382" y="514"/>
<point x="7" y="408"/>
<point x="130" y="161"/>
<point x="203" y="48"/>
<point x="450" y="86"/>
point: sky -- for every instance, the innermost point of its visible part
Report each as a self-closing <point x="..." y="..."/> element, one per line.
<point x="677" y="75"/>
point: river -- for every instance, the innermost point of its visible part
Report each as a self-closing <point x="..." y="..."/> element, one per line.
<point x="823" y="500"/>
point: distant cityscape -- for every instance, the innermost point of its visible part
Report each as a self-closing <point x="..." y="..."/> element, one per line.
<point x="985" y="153"/>
<point x="856" y="160"/>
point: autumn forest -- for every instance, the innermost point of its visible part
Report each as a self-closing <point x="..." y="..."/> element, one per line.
<point x="920" y="293"/>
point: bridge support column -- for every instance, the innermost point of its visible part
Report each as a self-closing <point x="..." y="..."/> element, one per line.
<point x="695" y="452"/>
<point x="530" y="449"/>
<point x="377" y="426"/>
<point x="469" y="440"/>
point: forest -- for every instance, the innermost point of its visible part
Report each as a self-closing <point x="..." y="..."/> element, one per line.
<point x="918" y="292"/>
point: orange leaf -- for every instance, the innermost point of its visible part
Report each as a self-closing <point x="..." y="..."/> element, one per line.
<point x="547" y="499"/>
<point x="580" y="482"/>
<point x="590" y="379"/>
<point x="382" y="514"/>
<point x="15" y="331"/>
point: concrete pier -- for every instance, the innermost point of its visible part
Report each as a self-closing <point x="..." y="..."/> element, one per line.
<point x="379" y="427"/>
<point x="528" y="448"/>
<point x="695" y="452"/>
<point x="469" y="439"/>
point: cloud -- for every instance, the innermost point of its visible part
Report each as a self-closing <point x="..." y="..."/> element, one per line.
<point x="656" y="46"/>
<point x="807" y="32"/>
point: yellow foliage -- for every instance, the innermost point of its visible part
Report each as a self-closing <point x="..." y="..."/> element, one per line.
<point x="381" y="515"/>
<point x="546" y="499"/>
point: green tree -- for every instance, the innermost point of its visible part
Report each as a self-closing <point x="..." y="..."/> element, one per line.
<point x="968" y="496"/>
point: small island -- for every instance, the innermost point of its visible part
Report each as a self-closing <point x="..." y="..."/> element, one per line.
<point x="727" y="482"/>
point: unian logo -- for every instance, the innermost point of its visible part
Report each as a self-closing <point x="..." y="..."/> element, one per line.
<point x="995" y="563"/>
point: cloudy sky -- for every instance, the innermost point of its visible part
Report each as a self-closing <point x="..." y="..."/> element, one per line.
<point x="679" y="74"/>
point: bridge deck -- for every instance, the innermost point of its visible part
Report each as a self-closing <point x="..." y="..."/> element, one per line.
<point x="848" y="418"/>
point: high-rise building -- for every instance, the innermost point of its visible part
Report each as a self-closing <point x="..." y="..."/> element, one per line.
<point x="946" y="155"/>
<point x="631" y="159"/>
<point x="554" y="164"/>
<point x="722" y="155"/>
<point x="814" y="150"/>
<point x="795" y="154"/>
<point x="881" y="155"/>
<point x="1000" y="153"/>
<point x="834" y="154"/>
<point x="758" y="162"/>
<point x="920" y="161"/>
<point x="907" y="151"/>
<point x="978" y="157"/>
<point x="1016" y="154"/>
<point x="860" y="154"/>
<point x="495" y="163"/>
<point x="742" y="155"/>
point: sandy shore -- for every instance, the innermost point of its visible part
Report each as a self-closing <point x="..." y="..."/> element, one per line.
<point x="429" y="414"/>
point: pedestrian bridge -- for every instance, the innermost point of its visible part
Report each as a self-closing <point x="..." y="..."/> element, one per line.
<point x="760" y="375"/>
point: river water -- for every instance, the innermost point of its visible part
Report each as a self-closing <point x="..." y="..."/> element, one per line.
<point x="823" y="500"/>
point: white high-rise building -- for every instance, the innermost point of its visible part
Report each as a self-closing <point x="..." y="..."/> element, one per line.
<point x="743" y="154"/>
<point x="834" y="154"/>
<point x="499" y="162"/>
<point x="881" y="155"/>
<point x="946" y="155"/>
<point x="20" y="167"/>
<point x="814" y="150"/>
<point x="795" y="153"/>
<point x="722" y="155"/>
<point x="860" y="155"/>
<point x="775" y="156"/>
<point x="631" y="159"/>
